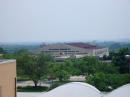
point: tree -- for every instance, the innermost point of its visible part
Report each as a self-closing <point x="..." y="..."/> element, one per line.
<point x="88" y="65"/>
<point x="69" y="66"/>
<point x="22" y="52"/>
<point x="91" y="65"/>
<point x="23" y="56"/>
<point x="107" y="68"/>
<point x="107" y="82"/>
<point x="59" y="70"/>
<point x="2" y="51"/>
<point x="34" y="67"/>
<point x="120" y="60"/>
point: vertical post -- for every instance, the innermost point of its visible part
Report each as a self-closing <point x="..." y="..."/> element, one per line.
<point x="15" y="88"/>
<point x="0" y="92"/>
<point x="129" y="66"/>
<point x="128" y="59"/>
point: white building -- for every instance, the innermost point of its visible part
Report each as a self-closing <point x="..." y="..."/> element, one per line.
<point x="78" y="50"/>
<point x="74" y="89"/>
<point x="123" y="91"/>
<point x="78" y="89"/>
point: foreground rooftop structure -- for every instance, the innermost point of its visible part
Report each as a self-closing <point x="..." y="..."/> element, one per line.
<point x="123" y="91"/>
<point x="74" y="89"/>
<point x="7" y="78"/>
<point x="79" y="89"/>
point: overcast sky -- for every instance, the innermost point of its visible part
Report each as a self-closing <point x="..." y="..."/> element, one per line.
<point x="64" y="20"/>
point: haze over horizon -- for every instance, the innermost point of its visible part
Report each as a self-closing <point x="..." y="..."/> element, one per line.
<point x="64" y="20"/>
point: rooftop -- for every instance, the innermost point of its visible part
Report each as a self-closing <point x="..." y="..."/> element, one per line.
<point x="73" y="89"/>
<point x="2" y="61"/>
<point x="84" y="45"/>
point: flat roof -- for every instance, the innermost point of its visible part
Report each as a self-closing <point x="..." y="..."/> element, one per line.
<point x="2" y="61"/>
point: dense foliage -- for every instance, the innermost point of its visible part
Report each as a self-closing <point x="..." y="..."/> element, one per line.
<point x="35" y="67"/>
<point x="119" y="59"/>
<point x="83" y="66"/>
<point x="107" y="82"/>
<point x="2" y="51"/>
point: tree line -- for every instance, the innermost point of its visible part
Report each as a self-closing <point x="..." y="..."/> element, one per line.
<point x="105" y="76"/>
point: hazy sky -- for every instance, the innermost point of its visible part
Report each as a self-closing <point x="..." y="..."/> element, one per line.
<point x="64" y="20"/>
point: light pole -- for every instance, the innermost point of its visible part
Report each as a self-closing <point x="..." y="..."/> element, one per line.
<point x="128" y="58"/>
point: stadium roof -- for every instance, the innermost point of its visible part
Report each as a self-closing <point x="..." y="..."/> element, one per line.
<point x="84" y="45"/>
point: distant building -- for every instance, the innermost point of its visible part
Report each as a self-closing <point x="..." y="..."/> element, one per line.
<point x="77" y="50"/>
<point x="7" y="78"/>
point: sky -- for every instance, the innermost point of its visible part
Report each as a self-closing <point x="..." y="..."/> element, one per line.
<point x="64" y="20"/>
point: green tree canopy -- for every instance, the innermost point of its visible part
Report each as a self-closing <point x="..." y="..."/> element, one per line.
<point x="59" y="70"/>
<point x="120" y="60"/>
<point x="35" y="67"/>
<point x="2" y="51"/>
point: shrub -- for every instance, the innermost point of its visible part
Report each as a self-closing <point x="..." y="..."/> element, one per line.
<point x="32" y="89"/>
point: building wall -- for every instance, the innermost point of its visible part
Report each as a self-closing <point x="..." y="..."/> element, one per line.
<point x="7" y="79"/>
<point x="101" y="52"/>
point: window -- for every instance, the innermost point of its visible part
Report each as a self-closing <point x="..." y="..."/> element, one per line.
<point x="53" y="49"/>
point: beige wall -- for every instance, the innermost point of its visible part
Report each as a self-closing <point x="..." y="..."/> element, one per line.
<point x="7" y="79"/>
